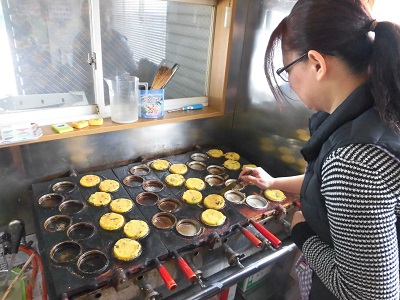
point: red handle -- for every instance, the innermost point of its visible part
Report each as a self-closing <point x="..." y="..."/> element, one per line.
<point x="273" y="239"/>
<point x="297" y="203"/>
<point x="189" y="274"/>
<point x="251" y="237"/>
<point x="168" y="280"/>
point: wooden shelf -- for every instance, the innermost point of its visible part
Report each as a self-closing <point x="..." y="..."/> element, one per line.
<point x="108" y="126"/>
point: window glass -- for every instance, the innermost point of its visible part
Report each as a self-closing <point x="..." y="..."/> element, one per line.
<point x="40" y="70"/>
<point x="47" y="42"/>
<point x="386" y="10"/>
<point x="182" y="36"/>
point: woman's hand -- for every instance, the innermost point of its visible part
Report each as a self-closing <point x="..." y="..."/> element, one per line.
<point x="263" y="180"/>
<point x="257" y="176"/>
<point x="297" y="218"/>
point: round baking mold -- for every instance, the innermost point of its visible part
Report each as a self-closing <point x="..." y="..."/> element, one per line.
<point x="81" y="231"/>
<point x="163" y="220"/>
<point x="147" y="199"/>
<point x="188" y="227"/>
<point x="199" y="157"/>
<point x="64" y="187"/>
<point x="154" y="186"/>
<point x="57" y="223"/>
<point x="140" y="170"/>
<point x="51" y="200"/>
<point x="71" y="207"/>
<point x="170" y="205"/>
<point x="256" y="202"/>
<point x="92" y="262"/>
<point x="65" y="252"/>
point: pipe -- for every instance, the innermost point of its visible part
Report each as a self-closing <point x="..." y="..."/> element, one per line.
<point x="249" y="270"/>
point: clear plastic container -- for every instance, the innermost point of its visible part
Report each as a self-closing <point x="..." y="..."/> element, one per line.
<point x="124" y="98"/>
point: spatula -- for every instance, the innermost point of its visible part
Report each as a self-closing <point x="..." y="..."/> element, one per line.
<point x="229" y="187"/>
<point x="233" y="184"/>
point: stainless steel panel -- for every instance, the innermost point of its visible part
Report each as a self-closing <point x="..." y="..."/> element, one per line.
<point x="262" y="132"/>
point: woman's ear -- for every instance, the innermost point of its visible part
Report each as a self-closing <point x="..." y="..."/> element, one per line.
<point x="318" y="64"/>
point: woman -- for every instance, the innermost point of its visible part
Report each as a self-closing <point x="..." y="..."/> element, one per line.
<point x="345" y="65"/>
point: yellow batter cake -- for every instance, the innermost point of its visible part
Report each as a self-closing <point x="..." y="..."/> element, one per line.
<point x="215" y="153"/>
<point x="136" y="229"/>
<point x="111" y="221"/>
<point x="174" y="179"/>
<point x="90" y="180"/>
<point x="96" y="122"/>
<point x="121" y="205"/>
<point x="109" y="185"/>
<point x="214" y="201"/>
<point x="195" y="184"/>
<point x="178" y="169"/>
<point x="274" y="195"/>
<point x="80" y="124"/>
<point x="99" y="199"/>
<point x="160" y="164"/>
<point x="127" y="249"/>
<point x="232" y="155"/>
<point x="249" y="166"/>
<point x="232" y="164"/>
<point x="213" y="217"/>
<point x="192" y="196"/>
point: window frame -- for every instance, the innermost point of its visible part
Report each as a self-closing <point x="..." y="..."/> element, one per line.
<point x="214" y="107"/>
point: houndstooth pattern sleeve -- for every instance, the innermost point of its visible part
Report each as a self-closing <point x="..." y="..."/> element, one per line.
<point x="361" y="185"/>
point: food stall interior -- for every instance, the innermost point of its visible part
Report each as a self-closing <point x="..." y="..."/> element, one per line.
<point x="252" y="126"/>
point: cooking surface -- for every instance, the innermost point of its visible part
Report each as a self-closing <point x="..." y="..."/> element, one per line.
<point x="171" y="238"/>
<point x="67" y="277"/>
<point x="71" y="232"/>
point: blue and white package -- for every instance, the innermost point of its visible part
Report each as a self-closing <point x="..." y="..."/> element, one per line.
<point x="151" y="103"/>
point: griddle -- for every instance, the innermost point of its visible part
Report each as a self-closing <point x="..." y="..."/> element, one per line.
<point x="160" y="243"/>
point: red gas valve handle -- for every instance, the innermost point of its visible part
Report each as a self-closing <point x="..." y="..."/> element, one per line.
<point x="297" y="203"/>
<point x="251" y="237"/>
<point x="187" y="271"/>
<point x="272" y="238"/>
<point x="166" y="277"/>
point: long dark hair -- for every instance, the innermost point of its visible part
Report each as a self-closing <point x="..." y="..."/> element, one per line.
<point x="341" y="28"/>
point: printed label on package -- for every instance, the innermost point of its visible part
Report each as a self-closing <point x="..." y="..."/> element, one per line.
<point x="151" y="103"/>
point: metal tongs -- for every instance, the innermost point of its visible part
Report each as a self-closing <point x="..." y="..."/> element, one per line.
<point x="233" y="184"/>
<point x="174" y="68"/>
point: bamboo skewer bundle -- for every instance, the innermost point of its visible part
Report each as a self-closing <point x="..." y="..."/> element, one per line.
<point x="161" y="77"/>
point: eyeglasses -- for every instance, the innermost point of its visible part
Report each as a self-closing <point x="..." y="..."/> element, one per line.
<point x="282" y="72"/>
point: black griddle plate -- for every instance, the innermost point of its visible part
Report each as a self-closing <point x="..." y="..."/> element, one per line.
<point x="66" y="277"/>
<point x="170" y="237"/>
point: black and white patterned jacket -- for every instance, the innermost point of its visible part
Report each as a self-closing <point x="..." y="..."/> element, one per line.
<point x="351" y="201"/>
